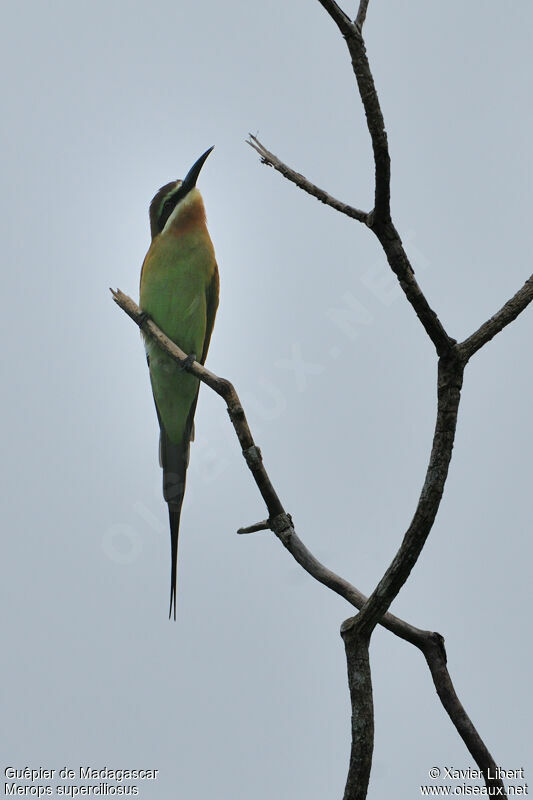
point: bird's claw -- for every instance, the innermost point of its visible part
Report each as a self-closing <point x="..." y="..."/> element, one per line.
<point x="189" y="361"/>
<point x="142" y="318"/>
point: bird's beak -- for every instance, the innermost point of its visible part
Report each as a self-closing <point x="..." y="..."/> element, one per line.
<point x="192" y="176"/>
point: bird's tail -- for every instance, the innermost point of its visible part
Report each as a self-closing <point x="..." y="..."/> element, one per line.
<point x="174" y="518"/>
<point x="174" y="460"/>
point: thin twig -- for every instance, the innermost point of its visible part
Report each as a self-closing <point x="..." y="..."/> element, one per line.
<point x="302" y="182"/>
<point x="258" y="526"/>
<point x="389" y="239"/>
<point x="361" y="14"/>
<point x="499" y="321"/>
<point x="374" y="117"/>
<point x="435" y="655"/>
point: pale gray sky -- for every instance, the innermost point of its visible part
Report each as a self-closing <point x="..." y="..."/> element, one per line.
<point x="246" y="695"/>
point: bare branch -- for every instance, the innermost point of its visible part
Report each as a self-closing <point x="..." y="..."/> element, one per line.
<point x="356" y="645"/>
<point x="361" y="14"/>
<point x="283" y="527"/>
<point x="360" y="684"/>
<point x="380" y="219"/>
<point x="431" y="644"/>
<point x="281" y="524"/>
<point x="499" y="321"/>
<point x="375" y="122"/>
<point x="271" y="160"/>
<point x="258" y="526"/>
<point x="369" y="97"/>
<point x="389" y="239"/>
<point x="219" y="385"/>
<point x="337" y="14"/>
<point x="450" y="379"/>
<point x="435" y="655"/>
<point x="279" y="521"/>
<point x="399" y="263"/>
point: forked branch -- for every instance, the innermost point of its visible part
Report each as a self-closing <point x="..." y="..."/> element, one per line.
<point x="452" y="361"/>
<point x="281" y="524"/>
<point x="389" y="240"/>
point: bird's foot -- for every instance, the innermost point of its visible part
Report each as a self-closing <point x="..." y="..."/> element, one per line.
<point x="189" y="361"/>
<point x="142" y="318"/>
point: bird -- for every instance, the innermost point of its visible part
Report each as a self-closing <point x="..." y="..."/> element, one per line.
<point x="179" y="291"/>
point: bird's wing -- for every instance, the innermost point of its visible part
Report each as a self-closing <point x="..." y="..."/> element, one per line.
<point x="211" y="310"/>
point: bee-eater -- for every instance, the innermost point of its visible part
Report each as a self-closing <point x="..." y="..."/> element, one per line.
<point x="179" y="292"/>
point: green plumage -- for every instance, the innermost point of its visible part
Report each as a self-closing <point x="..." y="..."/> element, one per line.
<point x="176" y="291"/>
<point x="179" y="291"/>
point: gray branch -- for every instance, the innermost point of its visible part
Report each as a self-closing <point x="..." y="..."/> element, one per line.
<point x="450" y="379"/>
<point x="297" y="178"/>
<point x="282" y="525"/>
<point x="499" y="321"/>
<point x="356" y="645"/>
<point x="452" y="361"/>
<point x="361" y="14"/>
<point x="389" y="240"/>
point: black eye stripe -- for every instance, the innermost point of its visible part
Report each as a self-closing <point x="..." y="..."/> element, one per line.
<point x="169" y="205"/>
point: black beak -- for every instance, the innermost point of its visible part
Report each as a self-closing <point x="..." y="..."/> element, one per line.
<point x="192" y="176"/>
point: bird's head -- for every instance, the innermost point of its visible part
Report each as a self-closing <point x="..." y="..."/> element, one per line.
<point x="177" y="199"/>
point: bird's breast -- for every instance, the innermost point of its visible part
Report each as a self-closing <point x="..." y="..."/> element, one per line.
<point x="174" y="281"/>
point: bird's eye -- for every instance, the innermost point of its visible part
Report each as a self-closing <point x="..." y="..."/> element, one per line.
<point x="166" y="211"/>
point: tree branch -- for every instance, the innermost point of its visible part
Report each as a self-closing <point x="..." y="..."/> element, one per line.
<point x="361" y="14"/>
<point x="356" y="646"/>
<point x="302" y="182"/>
<point x="281" y="524"/>
<point x="257" y="526"/>
<point x="435" y="655"/>
<point x="450" y="379"/>
<point x="223" y="388"/>
<point x="279" y="521"/>
<point x="499" y="321"/>
<point x="369" y="97"/>
<point x="452" y="360"/>
<point x="399" y="263"/>
<point x="337" y="14"/>
<point x="388" y="238"/>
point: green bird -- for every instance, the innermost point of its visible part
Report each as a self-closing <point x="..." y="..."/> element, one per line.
<point x="179" y="292"/>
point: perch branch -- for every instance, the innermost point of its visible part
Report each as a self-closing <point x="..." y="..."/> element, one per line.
<point x="279" y="521"/>
<point x="281" y="524"/>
